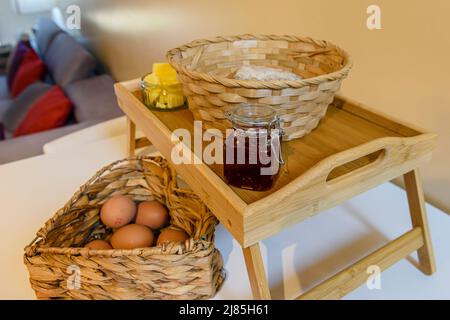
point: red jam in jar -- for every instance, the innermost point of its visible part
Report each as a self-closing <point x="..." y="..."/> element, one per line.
<point x="252" y="152"/>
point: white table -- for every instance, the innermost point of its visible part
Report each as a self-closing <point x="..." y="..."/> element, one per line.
<point x="79" y="139"/>
<point x="32" y="190"/>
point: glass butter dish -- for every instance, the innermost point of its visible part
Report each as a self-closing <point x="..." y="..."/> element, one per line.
<point x="161" y="89"/>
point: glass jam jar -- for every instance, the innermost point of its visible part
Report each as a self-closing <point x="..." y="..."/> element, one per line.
<point x="252" y="152"/>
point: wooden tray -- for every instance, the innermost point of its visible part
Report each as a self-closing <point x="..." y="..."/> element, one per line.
<point x="353" y="149"/>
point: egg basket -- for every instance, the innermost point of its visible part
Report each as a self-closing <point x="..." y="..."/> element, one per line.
<point x="60" y="268"/>
<point x="206" y="68"/>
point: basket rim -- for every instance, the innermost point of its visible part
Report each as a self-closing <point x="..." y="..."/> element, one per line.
<point x="185" y="248"/>
<point x="254" y="84"/>
<point x="188" y="247"/>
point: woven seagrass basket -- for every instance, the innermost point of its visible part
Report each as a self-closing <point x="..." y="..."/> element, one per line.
<point x="192" y="270"/>
<point x="206" y="68"/>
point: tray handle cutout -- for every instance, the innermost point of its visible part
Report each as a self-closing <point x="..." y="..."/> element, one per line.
<point x="350" y="167"/>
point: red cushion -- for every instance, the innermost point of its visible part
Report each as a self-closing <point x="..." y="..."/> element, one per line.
<point x="49" y="112"/>
<point x="31" y="70"/>
<point x="15" y="60"/>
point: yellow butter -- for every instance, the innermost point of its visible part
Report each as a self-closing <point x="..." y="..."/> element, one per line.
<point x="163" y="70"/>
<point x="152" y="79"/>
<point x="165" y="73"/>
<point x="162" y="89"/>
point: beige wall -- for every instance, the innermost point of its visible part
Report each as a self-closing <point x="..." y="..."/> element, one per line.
<point x="403" y="69"/>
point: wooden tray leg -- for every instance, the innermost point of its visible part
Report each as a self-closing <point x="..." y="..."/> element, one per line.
<point x="256" y="272"/>
<point x="418" y="213"/>
<point x="131" y="137"/>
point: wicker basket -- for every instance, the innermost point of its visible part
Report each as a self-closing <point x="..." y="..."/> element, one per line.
<point x="192" y="270"/>
<point x="206" y="68"/>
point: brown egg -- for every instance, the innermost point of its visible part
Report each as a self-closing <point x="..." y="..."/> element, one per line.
<point x="118" y="211"/>
<point x="172" y="235"/>
<point x="152" y="214"/>
<point x="132" y="236"/>
<point x="98" y="245"/>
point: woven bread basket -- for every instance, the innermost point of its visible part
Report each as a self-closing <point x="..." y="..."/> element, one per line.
<point x="192" y="270"/>
<point x="206" y="68"/>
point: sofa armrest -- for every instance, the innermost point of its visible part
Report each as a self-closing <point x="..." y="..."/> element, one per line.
<point x="31" y="145"/>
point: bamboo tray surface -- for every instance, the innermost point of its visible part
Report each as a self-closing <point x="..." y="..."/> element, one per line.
<point x="353" y="149"/>
<point x="340" y="130"/>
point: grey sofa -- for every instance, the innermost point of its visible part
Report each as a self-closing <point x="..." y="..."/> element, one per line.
<point x="75" y="70"/>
